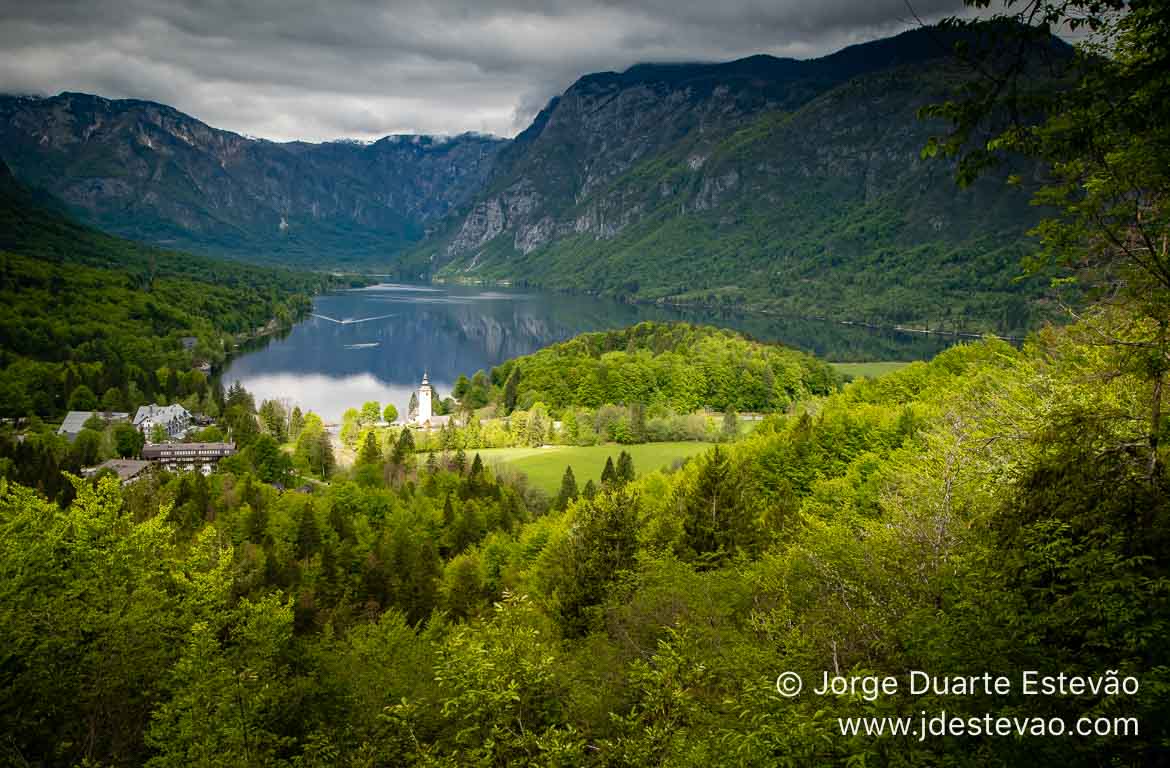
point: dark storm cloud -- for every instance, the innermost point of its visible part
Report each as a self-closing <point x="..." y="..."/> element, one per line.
<point x="287" y="69"/>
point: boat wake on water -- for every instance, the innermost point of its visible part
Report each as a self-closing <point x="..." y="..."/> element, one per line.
<point x="349" y="320"/>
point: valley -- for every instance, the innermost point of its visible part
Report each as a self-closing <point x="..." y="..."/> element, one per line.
<point x="763" y="184"/>
<point x="757" y="412"/>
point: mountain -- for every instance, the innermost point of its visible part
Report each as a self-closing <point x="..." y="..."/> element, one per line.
<point x="147" y="171"/>
<point x="86" y="309"/>
<point x="767" y="184"/>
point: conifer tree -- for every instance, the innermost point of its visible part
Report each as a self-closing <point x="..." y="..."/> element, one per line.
<point x="625" y="468"/>
<point x="370" y="452"/>
<point x="308" y="533"/>
<point x="638" y="422"/>
<point x="568" y="491"/>
<point x="511" y="390"/>
<point x="608" y="475"/>
<point x="296" y="422"/>
<point x="403" y="448"/>
<point x="716" y="520"/>
<point x="324" y="452"/>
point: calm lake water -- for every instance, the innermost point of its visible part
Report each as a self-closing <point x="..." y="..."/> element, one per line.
<point x="374" y="343"/>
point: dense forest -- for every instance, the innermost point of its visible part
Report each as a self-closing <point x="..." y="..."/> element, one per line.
<point x="86" y="310"/>
<point x="1000" y="510"/>
<point x="977" y="512"/>
<point x="677" y="366"/>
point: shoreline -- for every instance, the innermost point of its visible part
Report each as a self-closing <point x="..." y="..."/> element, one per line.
<point x="741" y="311"/>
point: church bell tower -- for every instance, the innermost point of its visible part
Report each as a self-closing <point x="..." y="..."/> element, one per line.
<point x="424" y="401"/>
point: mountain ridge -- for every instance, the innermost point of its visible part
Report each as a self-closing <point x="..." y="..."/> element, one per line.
<point x="762" y="183"/>
<point x="145" y="170"/>
<point x="805" y="197"/>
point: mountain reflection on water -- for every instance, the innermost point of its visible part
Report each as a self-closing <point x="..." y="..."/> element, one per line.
<point x="375" y="343"/>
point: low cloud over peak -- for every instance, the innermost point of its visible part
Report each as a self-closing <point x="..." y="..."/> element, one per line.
<point x="292" y="69"/>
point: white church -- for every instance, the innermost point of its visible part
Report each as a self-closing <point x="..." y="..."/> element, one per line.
<point x="424" y="395"/>
<point x="424" y="415"/>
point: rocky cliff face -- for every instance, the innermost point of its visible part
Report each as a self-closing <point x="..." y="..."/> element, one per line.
<point x="554" y="181"/>
<point x="763" y="183"/>
<point x="150" y="172"/>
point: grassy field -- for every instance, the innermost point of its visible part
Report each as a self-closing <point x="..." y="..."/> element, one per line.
<point x="545" y="466"/>
<point x="868" y="370"/>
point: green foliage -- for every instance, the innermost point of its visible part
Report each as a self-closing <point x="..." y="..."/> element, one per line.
<point x="314" y="449"/>
<point x="717" y="521"/>
<point x="128" y="441"/>
<point x="1104" y="139"/>
<point x="655" y="365"/>
<point x="106" y="606"/>
<point x="351" y="427"/>
<point x="87" y="447"/>
<point x="568" y="492"/>
<point x="371" y="452"/>
<point x="608" y="474"/>
<point x="511" y="389"/>
<point x="448" y="618"/>
<point x="582" y="566"/>
<point x="370" y="413"/>
<point x="82" y="399"/>
<point x="624" y="472"/>
<point x="274" y="420"/>
<point x="91" y="313"/>
<point x="500" y="684"/>
<point x="272" y="465"/>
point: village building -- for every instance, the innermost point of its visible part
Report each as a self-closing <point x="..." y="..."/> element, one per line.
<point x="188" y="455"/>
<point x="175" y="419"/>
<point x="423" y="416"/>
<point x="75" y="421"/>
<point x="127" y="470"/>
<point x="421" y="412"/>
<point x="425" y="395"/>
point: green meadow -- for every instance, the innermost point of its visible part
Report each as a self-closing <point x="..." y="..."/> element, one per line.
<point x="545" y="466"/>
<point x="868" y="370"/>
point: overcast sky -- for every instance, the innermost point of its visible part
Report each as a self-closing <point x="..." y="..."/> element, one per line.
<point x="327" y="69"/>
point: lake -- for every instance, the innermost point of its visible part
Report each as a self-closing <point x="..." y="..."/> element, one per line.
<point x="375" y="343"/>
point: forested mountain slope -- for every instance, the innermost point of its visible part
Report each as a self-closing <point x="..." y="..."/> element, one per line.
<point x="84" y="309"/>
<point x="764" y="184"/>
<point x="152" y="173"/>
